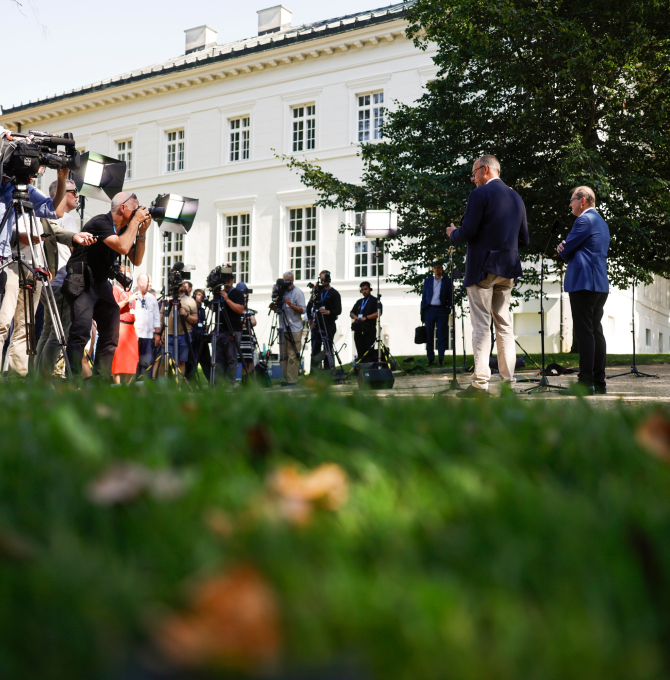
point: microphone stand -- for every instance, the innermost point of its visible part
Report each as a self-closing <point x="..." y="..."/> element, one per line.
<point x="453" y="383"/>
<point x="543" y="385"/>
<point x="633" y="369"/>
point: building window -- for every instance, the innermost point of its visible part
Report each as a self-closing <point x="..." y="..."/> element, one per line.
<point x="175" y="249"/>
<point x="647" y="336"/>
<point x="124" y="152"/>
<point x="237" y="245"/>
<point x="239" y="139"/>
<point x="304" y="128"/>
<point x="302" y="237"/>
<point x="365" y="264"/>
<point x="660" y="342"/>
<point x="370" y="116"/>
<point x="175" y="150"/>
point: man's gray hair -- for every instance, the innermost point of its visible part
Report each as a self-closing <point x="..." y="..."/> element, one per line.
<point x="54" y="184"/>
<point x="491" y="161"/>
<point x="121" y="198"/>
<point x="291" y="274"/>
<point x="587" y="193"/>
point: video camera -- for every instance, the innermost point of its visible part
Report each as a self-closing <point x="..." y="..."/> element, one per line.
<point x="177" y="275"/>
<point x="279" y="291"/>
<point x="22" y="155"/>
<point x="218" y="276"/>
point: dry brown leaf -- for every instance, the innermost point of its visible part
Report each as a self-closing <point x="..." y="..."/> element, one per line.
<point x="233" y="622"/>
<point x="654" y="435"/>
<point x="125" y="482"/>
<point x="297" y="494"/>
<point x="219" y="522"/>
<point x="259" y="440"/>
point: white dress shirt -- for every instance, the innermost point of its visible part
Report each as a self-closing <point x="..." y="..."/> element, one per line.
<point x="147" y="315"/>
<point x="437" y="289"/>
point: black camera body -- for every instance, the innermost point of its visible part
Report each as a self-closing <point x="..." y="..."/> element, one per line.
<point x="218" y="276"/>
<point x="116" y="273"/>
<point x="279" y="291"/>
<point x="24" y="154"/>
<point x="176" y="276"/>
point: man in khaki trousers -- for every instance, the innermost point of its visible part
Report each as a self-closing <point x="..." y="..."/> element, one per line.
<point x="494" y="227"/>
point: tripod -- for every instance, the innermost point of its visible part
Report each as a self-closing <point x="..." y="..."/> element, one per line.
<point x="216" y="303"/>
<point x="453" y="383"/>
<point x="543" y="385"/>
<point x="633" y="369"/>
<point x="30" y="275"/>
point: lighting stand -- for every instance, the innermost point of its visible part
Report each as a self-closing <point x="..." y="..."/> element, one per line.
<point x="543" y="385"/>
<point x="25" y="210"/>
<point x="633" y="369"/>
<point x="453" y="384"/>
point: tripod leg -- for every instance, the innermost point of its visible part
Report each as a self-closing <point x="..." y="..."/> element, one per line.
<point x="57" y="323"/>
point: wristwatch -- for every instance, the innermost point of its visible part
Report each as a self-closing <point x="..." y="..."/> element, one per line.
<point x="141" y="238"/>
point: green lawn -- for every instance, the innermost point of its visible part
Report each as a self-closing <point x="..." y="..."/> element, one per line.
<point x="445" y="539"/>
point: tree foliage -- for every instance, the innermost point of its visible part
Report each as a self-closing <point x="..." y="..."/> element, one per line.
<point x="564" y="93"/>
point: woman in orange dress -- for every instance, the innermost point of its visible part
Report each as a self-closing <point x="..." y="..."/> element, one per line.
<point x="127" y="355"/>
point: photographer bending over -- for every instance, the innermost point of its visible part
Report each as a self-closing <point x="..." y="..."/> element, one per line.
<point x="87" y="286"/>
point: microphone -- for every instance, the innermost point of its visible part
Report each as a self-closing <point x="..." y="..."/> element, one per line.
<point x="555" y="226"/>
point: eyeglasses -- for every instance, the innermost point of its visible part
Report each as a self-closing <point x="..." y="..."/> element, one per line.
<point x="472" y="176"/>
<point x="130" y="198"/>
<point x="574" y="198"/>
<point x="72" y="191"/>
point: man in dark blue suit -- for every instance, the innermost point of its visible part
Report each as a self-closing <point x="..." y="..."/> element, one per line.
<point x="585" y="251"/>
<point x="494" y="227"/>
<point x="435" y="310"/>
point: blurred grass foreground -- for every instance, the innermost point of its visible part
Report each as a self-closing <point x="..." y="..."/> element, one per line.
<point x="156" y="534"/>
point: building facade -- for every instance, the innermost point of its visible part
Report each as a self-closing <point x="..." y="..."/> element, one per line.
<point x="213" y="124"/>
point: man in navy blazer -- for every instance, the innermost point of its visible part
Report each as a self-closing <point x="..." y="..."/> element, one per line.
<point x="435" y="310"/>
<point x="585" y="251"/>
<point x="494" y="227"/>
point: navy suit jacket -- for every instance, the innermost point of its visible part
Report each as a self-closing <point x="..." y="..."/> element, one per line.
<point x="494" y="227"/>
<point x="585" y="252"/>
<point x="445" y="293"/>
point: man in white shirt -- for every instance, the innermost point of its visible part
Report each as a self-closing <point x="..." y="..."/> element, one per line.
<point x="57" y="253"/>
<point x="147" y="323"/>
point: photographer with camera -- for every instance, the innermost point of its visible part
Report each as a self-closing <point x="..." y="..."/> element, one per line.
<point x="229" y="332"/>
<point x="289" y="303"/>
<point x="188" y="317"/>
<point x="364" y="315"/>
<point x="200" y="338"/>
<point x="13" y="305"/>
<point x="59" y="239"/>
<point x="323" y="309"/>
<point x="87" y="286"/>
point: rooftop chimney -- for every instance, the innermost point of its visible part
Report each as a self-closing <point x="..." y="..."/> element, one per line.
<point x="273" y="19"/>
<point x="199" y="38"/>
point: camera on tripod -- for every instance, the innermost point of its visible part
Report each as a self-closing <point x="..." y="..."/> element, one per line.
<point x="218" y="276"/>
<point x="279" y="291"/>
<point x="23" y="154"/>
<point x="179" y="273"/>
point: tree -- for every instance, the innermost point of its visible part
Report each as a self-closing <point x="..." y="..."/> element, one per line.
<point x="564" y="93"/>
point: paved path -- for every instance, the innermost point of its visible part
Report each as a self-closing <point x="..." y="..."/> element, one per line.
<point x="628" y="388"/>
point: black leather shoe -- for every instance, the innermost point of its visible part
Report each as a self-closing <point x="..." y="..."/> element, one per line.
<point x="431" y="362"/>
<point x="600" y="388"/>
<point x="473" y="393"/>
<point x="440" y="362"/>
<point x="585" y="388"/>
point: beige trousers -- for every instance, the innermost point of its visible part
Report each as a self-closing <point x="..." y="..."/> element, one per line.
<point x="12" y="308"/>
<point x="290" y="361"/>
<point x="488" y="299"/>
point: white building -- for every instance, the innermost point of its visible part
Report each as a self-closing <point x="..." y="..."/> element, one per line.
<point x="210" y="123"/>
